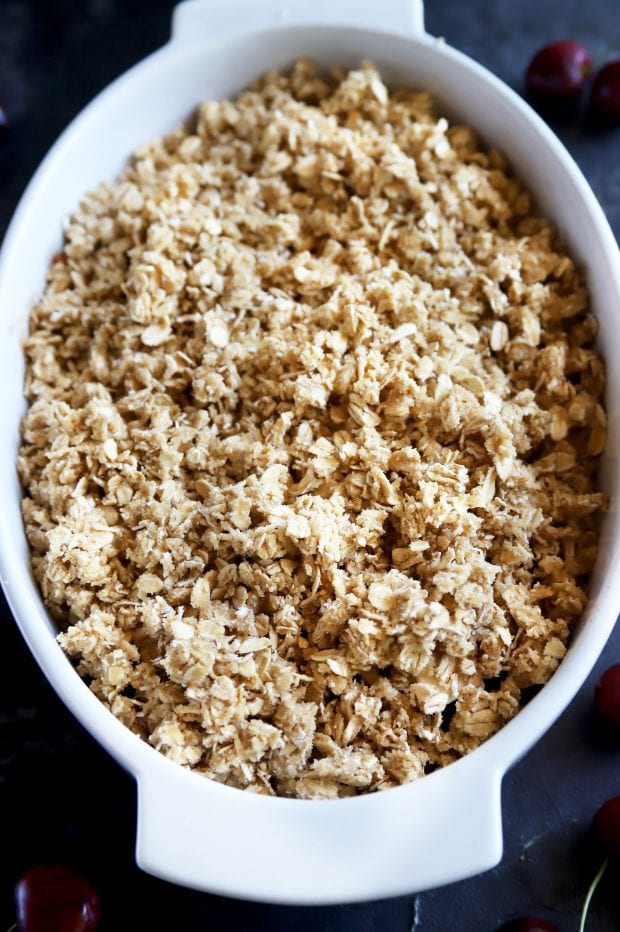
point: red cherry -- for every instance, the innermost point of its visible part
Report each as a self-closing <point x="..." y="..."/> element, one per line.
<point x="607" y="697"/>
<point x="606" y="826"/>
<point x="528" y="924"/>
<point x="55" y="898"/>
<point x="557" y="72"/>
<point x="605" y="94"/>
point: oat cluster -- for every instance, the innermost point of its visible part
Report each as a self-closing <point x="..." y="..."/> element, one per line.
<point x="309" y="462"/>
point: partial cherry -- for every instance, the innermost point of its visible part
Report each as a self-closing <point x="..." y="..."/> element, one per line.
<point x="557" y="73"/>
<point x="606" y="830"/>
<point x="607" y="697"/>
<point x="528" y="924"/>
<point x="55" y="898"/>
<point x="605" y="94"/>
<point x="606" y="827"/>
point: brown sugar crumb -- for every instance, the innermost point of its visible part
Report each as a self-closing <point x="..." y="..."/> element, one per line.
<point x="310" y="457"/>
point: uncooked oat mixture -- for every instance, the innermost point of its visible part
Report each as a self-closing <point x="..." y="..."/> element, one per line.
<point x="309" y="463"/>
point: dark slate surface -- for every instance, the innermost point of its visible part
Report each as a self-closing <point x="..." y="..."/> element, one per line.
<point x="61" y="796"/>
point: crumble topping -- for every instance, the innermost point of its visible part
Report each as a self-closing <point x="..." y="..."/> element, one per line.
<point x="309" y="462"/>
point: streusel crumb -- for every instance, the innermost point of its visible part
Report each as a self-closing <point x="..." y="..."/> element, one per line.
<point x="310" y="457"/>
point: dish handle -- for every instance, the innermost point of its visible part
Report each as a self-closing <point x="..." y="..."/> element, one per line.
<point x="210" y="837"/>
<point x="220" y="19"/>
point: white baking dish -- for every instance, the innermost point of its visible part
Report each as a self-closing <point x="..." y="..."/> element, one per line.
<point x="190" y="830"/>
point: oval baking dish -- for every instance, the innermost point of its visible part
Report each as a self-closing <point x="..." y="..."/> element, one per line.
<point x="193" y="831"/>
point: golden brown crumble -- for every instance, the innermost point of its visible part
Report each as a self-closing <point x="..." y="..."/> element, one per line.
<point x="309" y="463"/>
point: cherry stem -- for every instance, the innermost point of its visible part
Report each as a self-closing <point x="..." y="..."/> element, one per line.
<point x="590" y="894"/>
<point x="13" y="928"/>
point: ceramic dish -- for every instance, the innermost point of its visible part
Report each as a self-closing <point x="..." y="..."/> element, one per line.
<point x="193" y="831"/>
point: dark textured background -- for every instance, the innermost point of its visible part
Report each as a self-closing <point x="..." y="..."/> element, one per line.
<point x="61" y="796"/>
